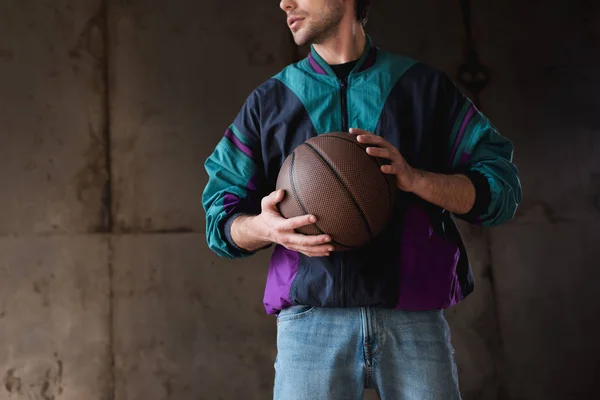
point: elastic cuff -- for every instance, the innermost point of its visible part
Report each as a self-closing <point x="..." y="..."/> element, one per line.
<point x="483" y="195"/>
<point x="227" y="231"/>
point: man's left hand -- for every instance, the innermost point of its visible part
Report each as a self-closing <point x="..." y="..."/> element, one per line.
<point x="406" y="176"/>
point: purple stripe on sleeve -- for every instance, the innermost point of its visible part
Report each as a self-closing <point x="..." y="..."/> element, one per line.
<point x="241" y="146"/>
<point x="254" y="185"/>
<point x="315" y="65"/>
<point x="254" y="182"/>
<point x="282" y="271"/>
<point x="465" y="158"/>
<point x="229" y="202"/>
<point x="463" y="127"/>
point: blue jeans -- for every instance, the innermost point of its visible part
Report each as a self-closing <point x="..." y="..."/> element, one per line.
<point x="335" y="353"/>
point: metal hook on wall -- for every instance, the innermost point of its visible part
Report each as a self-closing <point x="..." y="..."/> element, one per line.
<point x="472" y="74"/>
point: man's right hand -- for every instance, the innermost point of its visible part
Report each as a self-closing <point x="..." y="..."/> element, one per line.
<point x="254" y="232"/>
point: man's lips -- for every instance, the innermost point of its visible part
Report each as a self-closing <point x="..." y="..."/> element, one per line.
<point x="293" y="22"/>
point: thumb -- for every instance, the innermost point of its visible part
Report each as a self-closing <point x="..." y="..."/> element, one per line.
<point x="279" y="195"/>
<point x="271" y="200"/>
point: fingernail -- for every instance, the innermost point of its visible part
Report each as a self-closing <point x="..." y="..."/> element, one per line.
<point x="313" y="219"/>
<point x="330" y="249"/>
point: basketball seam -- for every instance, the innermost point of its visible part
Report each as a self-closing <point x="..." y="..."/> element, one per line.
<point x="339" y="178"/>
<point x="390" y="194"/>
<point x="304" y="210"/>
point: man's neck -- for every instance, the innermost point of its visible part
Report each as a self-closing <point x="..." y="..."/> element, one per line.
<point x="346" y="45"/>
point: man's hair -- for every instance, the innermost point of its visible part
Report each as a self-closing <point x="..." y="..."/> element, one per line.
<point x="362" y="10"/>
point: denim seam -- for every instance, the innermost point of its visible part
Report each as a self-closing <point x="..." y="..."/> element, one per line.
<point x="286" y="318"/>
<point x="382" y="328"/>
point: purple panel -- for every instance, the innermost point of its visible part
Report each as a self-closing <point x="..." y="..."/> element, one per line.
<point x="428" y="278"/>
<point x="282" y="271"/>
<point x="241" y="146"/>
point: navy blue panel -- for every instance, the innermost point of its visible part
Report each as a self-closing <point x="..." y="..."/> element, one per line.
<point x="427" y="102"/>
<point x="315" y="282"/>
<point x="422" y="92"/>
<point x="264" y="121"/>
<point x="279" y="111"/>
<point x="365" y="277"/>
<point x="371" y="272"/>
<point x="247" y="120"/>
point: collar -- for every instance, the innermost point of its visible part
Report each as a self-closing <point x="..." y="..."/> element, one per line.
<point x="366" y="60"/>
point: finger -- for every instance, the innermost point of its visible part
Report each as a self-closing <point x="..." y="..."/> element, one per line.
<point x="389" y="169"/>
<point x="316" y="254"/>
<point x="317" y="249"/>
<point x="314" y="249"/>
<point x="370" y="138"/>
<point x="298" y="222"/>
<point x="381" y="152"/>
<point x="375" y="140"/>
<point x="300" y="240"/>
<point x="359" y="131"/>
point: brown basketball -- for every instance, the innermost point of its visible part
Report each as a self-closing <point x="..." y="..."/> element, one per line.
<point x="332" y="177"/>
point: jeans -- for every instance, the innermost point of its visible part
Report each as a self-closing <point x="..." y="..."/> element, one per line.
<point x="335" y="353"/>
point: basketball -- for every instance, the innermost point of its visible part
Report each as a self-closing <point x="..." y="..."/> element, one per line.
<point x="332" y="177"/>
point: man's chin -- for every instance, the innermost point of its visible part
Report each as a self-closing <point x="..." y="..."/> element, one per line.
<point x="300" y="40"/>
<point x="301" y="37"/>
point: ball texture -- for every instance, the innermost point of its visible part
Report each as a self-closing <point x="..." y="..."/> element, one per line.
<point x="332" y="177"/>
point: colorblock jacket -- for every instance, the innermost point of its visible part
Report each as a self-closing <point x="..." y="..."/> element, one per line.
<point x="419" y="262"/>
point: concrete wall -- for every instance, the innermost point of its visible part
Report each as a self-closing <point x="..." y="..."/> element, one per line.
<point x="546" y="263"/>
<point x="108" y="111"/>
<point x="54" y="277"/>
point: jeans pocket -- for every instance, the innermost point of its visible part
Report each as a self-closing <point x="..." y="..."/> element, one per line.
<point x="294" y="312"/>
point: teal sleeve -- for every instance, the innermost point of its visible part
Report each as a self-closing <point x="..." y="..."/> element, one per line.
<point x="480" y="152"/>
<point x="233" y="189"/>
<point x="236" y="178"/>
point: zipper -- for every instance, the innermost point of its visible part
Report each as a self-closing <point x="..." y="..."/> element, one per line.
<point x="343" y="94"/>
<point x="343" y="88"/>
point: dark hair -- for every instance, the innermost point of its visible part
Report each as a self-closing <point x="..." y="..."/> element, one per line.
<point x="362" y="10"/>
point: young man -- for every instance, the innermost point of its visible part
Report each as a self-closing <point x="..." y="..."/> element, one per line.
<point x="371" y="317"/>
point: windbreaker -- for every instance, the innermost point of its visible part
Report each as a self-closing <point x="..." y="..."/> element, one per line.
<point x="419" y="261"/>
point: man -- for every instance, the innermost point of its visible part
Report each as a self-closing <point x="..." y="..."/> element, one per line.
<point x="371" y="317"/>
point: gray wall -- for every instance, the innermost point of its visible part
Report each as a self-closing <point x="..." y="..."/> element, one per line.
<point x="108" y="110"/>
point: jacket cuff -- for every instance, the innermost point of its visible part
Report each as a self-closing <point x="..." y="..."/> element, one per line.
<point x="227" y="232"/>
<point x="483" y="195"/>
